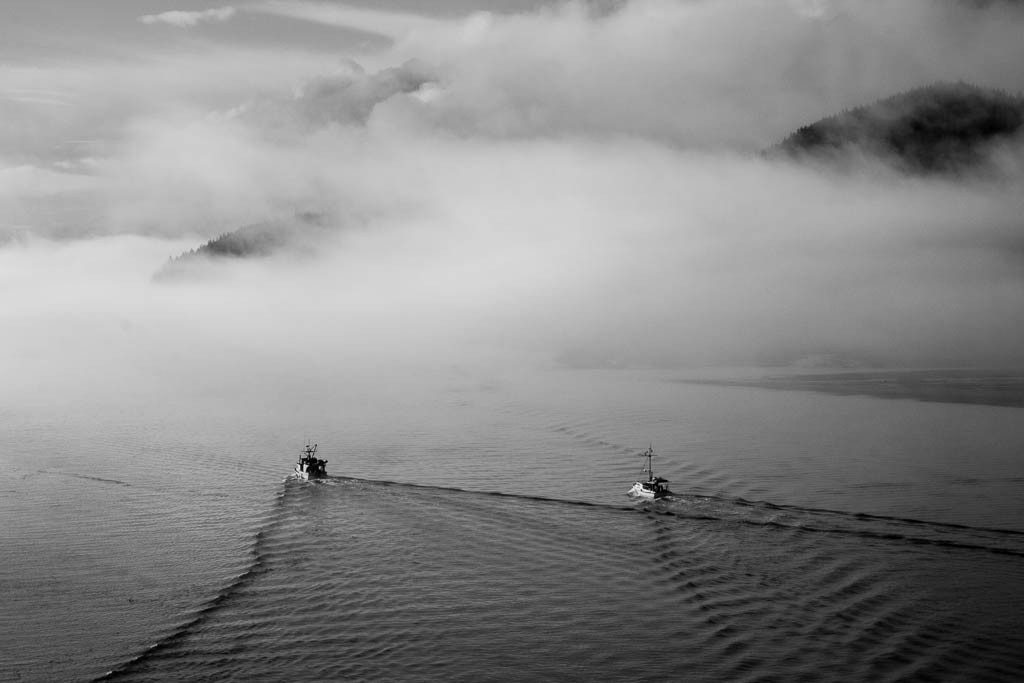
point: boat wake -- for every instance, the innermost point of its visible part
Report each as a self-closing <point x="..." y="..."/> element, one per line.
<point x="868" y="526"/>
<point x="369" y="579"/>
<point x="774" y="515"/>
<point x="86" y="477"/>
<point x="208" y="608"/>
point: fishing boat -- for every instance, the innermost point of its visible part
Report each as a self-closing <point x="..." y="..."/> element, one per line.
<point x="309" y="466"/>
<point x="654" y="487"/>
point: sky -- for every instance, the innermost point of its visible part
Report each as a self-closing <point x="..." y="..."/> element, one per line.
<point x="514" y="182"/>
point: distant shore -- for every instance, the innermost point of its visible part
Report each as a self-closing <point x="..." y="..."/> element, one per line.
<point x="982" y="387"/>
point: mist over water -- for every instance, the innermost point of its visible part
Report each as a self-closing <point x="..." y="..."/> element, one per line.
<point x="457" y="220"/>
<point x="566" y="180"/>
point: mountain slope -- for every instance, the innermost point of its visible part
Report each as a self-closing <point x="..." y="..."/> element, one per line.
<point x="941" y="128"/>
<point x="250" y="241"/>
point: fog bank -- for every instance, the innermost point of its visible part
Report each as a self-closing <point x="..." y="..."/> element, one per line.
<point x="565" y="185"/>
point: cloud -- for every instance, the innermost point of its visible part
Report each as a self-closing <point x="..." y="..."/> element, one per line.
<point x="187" y="19"/>
<point x="352" y="96"/>
<point x="347" y="96"/>
<point x="702" y="74"/>
<point x="385" y="23"/>
<point x="519" y="187"/>
<point x="41" y="96"/>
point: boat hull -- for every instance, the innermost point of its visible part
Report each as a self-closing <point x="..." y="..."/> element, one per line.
<point x="306" y="476"/>
<point x="641" y="490"/>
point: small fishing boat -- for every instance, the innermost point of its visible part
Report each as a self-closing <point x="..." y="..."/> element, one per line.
<point x="309" y="466"/>
<point x="654" y="487"/>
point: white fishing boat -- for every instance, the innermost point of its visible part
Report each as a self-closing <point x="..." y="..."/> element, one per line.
<point x="653" y="487"/>
<point x="309" y="466"/>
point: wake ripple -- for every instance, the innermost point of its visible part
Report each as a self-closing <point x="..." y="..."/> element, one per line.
<point x="207" y="609"/>
<point x="361" y="579"/>
<point x="767" y="514"/>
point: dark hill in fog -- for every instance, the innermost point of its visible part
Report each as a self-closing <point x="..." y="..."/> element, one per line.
<point x="250" y="241"/>
<point x="941" y="128"/>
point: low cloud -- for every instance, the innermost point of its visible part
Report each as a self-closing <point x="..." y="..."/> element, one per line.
<point x="702" y="74"/>
<point x="347" y="96"/>
<point x="386" y="23"/>
<point x="187" y="19"/>
<point x="555" y="184"/>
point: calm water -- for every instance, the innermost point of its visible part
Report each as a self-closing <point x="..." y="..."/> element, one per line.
<point x="476" y="528"/>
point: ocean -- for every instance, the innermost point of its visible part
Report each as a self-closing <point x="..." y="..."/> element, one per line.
<point x="475" y="526"/>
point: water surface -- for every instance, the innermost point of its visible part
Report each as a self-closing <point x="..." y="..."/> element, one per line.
<point x="476" y="528"/>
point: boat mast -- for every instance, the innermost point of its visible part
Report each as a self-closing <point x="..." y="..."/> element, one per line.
<point x="649" y="453"/>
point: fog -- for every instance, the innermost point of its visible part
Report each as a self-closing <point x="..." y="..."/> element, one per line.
<point x="576" y="184"/>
